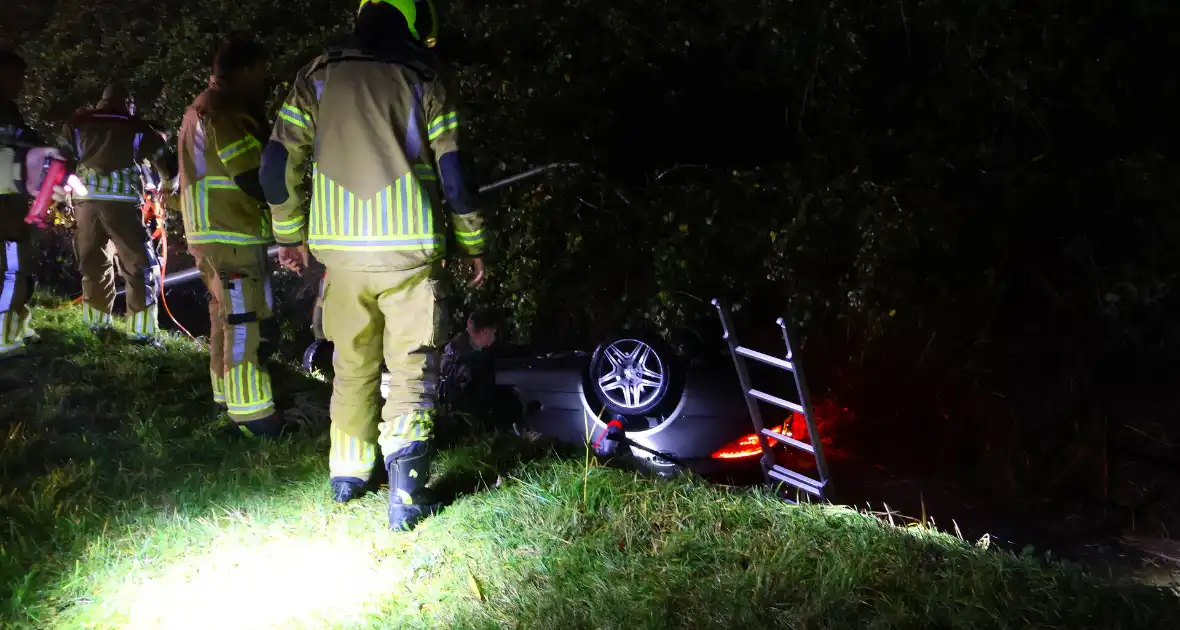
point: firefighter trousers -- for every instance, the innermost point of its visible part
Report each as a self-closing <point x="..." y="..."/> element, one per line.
<point x="243" y="334"/>
<point x="14" y="297"/>
<point x="370" y="316"/>
<point x="104" y="229"/>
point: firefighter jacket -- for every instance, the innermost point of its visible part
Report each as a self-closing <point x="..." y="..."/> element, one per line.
<point x="221" y="139"/>
<point x="379" y="130"/>
<point x="14" y="207"/>
<point x="109" y="150"/>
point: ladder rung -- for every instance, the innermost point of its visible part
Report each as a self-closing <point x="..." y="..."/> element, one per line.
<point x="802" y="482"/>
<point x="765" y="358"/>
<point x="775" y="400"/>
<point x="803" y="446"/>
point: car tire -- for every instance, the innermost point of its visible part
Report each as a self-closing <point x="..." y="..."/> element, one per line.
<point x="634" y="374"/>
<point x="312" y="356"/>
<point x="309" y="355"/>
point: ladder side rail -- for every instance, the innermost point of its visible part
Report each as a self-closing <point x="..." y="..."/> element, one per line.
<point x="744" y="379"/>
<point x="805" y="402"/>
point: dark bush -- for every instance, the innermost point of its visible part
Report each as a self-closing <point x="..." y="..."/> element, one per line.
<point x="968" y="207"/>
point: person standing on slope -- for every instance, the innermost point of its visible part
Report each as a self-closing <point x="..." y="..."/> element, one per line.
<point x="21" y="173"/>
<point x="228" y="228"/>
<point x="109" y="145"/>
<point x="381" y="131"/>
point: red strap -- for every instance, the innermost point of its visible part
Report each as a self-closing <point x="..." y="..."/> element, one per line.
<point x="613" y="424"/>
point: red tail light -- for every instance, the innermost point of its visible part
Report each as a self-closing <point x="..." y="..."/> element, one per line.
<point x="747" y="445"/>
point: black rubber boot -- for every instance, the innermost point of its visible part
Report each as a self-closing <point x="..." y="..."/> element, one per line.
<point x="408" y="501"/>
<point x="271" y="427"/>
<point x="345" y="489"/>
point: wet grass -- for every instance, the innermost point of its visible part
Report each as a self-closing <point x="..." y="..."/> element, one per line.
<point x="123" y="506"/>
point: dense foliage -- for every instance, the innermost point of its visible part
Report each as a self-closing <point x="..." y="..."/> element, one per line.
<point x="969" y="207"/>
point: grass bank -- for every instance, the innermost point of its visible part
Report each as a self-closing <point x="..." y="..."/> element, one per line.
<point x="123" y="506"/>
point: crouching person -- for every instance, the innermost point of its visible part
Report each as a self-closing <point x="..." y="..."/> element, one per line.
<point x="468" y="378"/>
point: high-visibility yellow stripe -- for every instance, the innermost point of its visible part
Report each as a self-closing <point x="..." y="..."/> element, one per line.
<point x="338" y="219"/>
<point x="399" y="208"/>
<point x="218" y="387"/>
<point x="247" y="390"/>
<point x="234" y="149"/>
<point x="399" y="217"/>
<point x="470" y="238"/>
<point x="94" y="317"/>
<point x="294" y="115"/>
<point x="329" y="206"/>
<point x="317" y="203"/>
<point x="442" y="124"/>
<point x="392" y="237"/>
<point x="425" y="172"/>
<point x="323" y="194"/>
<point x="290" y="226"/>
<point x="291" y="119"/>
<point x="419" y="203"/>
<point x="349" y="456"/>
<point x="370" y="247"/>
<point x="444" y="129"/>
<point x="218" y="236"/>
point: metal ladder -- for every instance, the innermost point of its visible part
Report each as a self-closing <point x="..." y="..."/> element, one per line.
<point x="817" y="488"/>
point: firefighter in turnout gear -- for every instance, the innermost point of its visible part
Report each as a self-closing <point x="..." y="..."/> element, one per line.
<point x="381" y="131"/>
<point x="15" y="281"/>
<point x="109" y="146"/>
<point x="228" y="228"/>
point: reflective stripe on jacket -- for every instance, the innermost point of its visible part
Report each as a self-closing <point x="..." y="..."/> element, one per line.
<point x="375" y="130"/>
<point x="110" y="149"/>
<point x="219" y="140"/>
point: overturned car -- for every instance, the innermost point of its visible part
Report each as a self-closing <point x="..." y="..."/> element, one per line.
<point x="633" y="390"/>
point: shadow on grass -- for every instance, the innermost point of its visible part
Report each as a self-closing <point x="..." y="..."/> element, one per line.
<point x="474" y="461"/>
